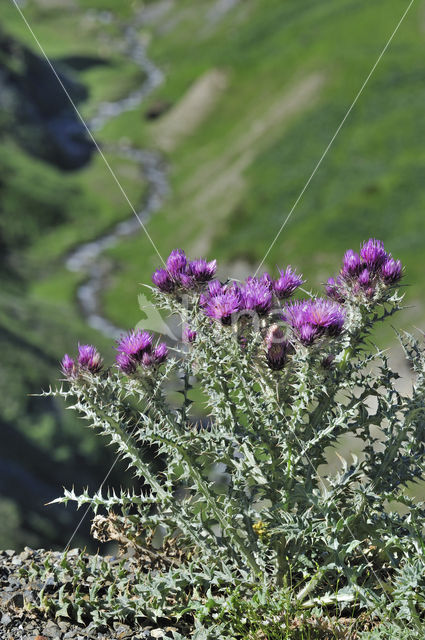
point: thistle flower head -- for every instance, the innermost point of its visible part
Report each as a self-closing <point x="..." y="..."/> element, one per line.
<point x="146" y="360"/>
<point x="201" y="270"/>
<point x="256" y="295"/>
<point x="277" y="347"/>
<point x="325" y="314"/>
<point x="223" y="305"/>
<point x="351" y="263"/>
<point x="267" y="280"/>
<point x="215" y="287"/>
<point x="160" y="353"/>
<point x="373" y="253"/>
<point x="287" y="283"/>
<point x="176" y="262"/>
<point x="126" y="363"/>
<point x="89" y="358"/>
<point x="295" y="313"/>
<point x="311" y="318"/>
<point x="307" y="334"/>
<point x="163" y="281"/>
<point x="135" y="344"/>
<point x="68" y="367"/>
<point x="185" y="280"/>
<point x="364" y="278"/>
<point x="334" y="289"/>
<point x="391" y="270"/>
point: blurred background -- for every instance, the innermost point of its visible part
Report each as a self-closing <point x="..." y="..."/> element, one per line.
<point x="212" y="115"/>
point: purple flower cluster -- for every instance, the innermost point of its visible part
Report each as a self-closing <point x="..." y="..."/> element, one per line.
<point x="222" y="302"/>
<point x="181" y="274"/>
<point x="362" y="273"/>
<point x="136" y="348"/>
<point x="89" y="360"/>
<point x="288" y="282"/>
<point x="311" y="319"/>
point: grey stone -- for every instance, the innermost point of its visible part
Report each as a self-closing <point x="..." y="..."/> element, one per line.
<point x="51" y="630"/>
<point x="5" y="619"/>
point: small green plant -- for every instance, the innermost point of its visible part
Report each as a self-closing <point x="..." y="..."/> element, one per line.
<point x="238" y="503"/>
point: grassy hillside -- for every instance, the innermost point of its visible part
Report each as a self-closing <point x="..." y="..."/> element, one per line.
<point x="237" y="175"/>
<point x="255" y="94"/>
<point x="242" y="148"/>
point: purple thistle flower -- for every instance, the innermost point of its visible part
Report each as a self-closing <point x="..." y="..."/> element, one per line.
<point x="89" y="358"/>
<point x="257" y="296"/>
<point x="176" y="262"/>
<point x="351" y="263"/>
<point x="213" y="289"/>
<point x="68" y="367"/>
<point x="294" y="313"/>
<point x="160" y="353"/>
<point x="189" y="336"/>
<point x="307" y="334"/>
<point x="163" y="281"/>
<point x="332" y="289"/>
<point x="186" y="281"/>
<point x="277" y="347"/>
<point x="373" y="253"/>
<point x="224" y="304"/>
<point x="201" y="270"/>
<point x="147" y="360"/>
<point x="135" y="344"/>
<point x="391" y="270"/>
<point x="287" y="283"/>
<point x="126" y="363"/>
<point x="311" y="318"/>
<point x="326" y="314"/>
<point x="267" y="280"/>
<point x="364" y="278"/>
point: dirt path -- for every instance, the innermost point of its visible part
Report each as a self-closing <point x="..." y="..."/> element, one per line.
<point x="189" y="113"/>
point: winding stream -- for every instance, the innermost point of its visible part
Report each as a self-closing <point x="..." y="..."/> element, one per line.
<point x="87" y="258"/>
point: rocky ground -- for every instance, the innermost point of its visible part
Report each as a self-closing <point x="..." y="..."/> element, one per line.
<point x="21" y="620"/>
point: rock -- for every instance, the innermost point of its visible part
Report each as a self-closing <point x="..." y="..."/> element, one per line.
<point x="51" y="630"/>
<point x="5" y="619"/>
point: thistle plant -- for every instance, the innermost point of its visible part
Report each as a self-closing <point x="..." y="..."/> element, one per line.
<point x="238" y="501"/>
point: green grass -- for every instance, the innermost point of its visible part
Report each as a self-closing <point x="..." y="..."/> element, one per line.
<point x="368" y="185"/>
